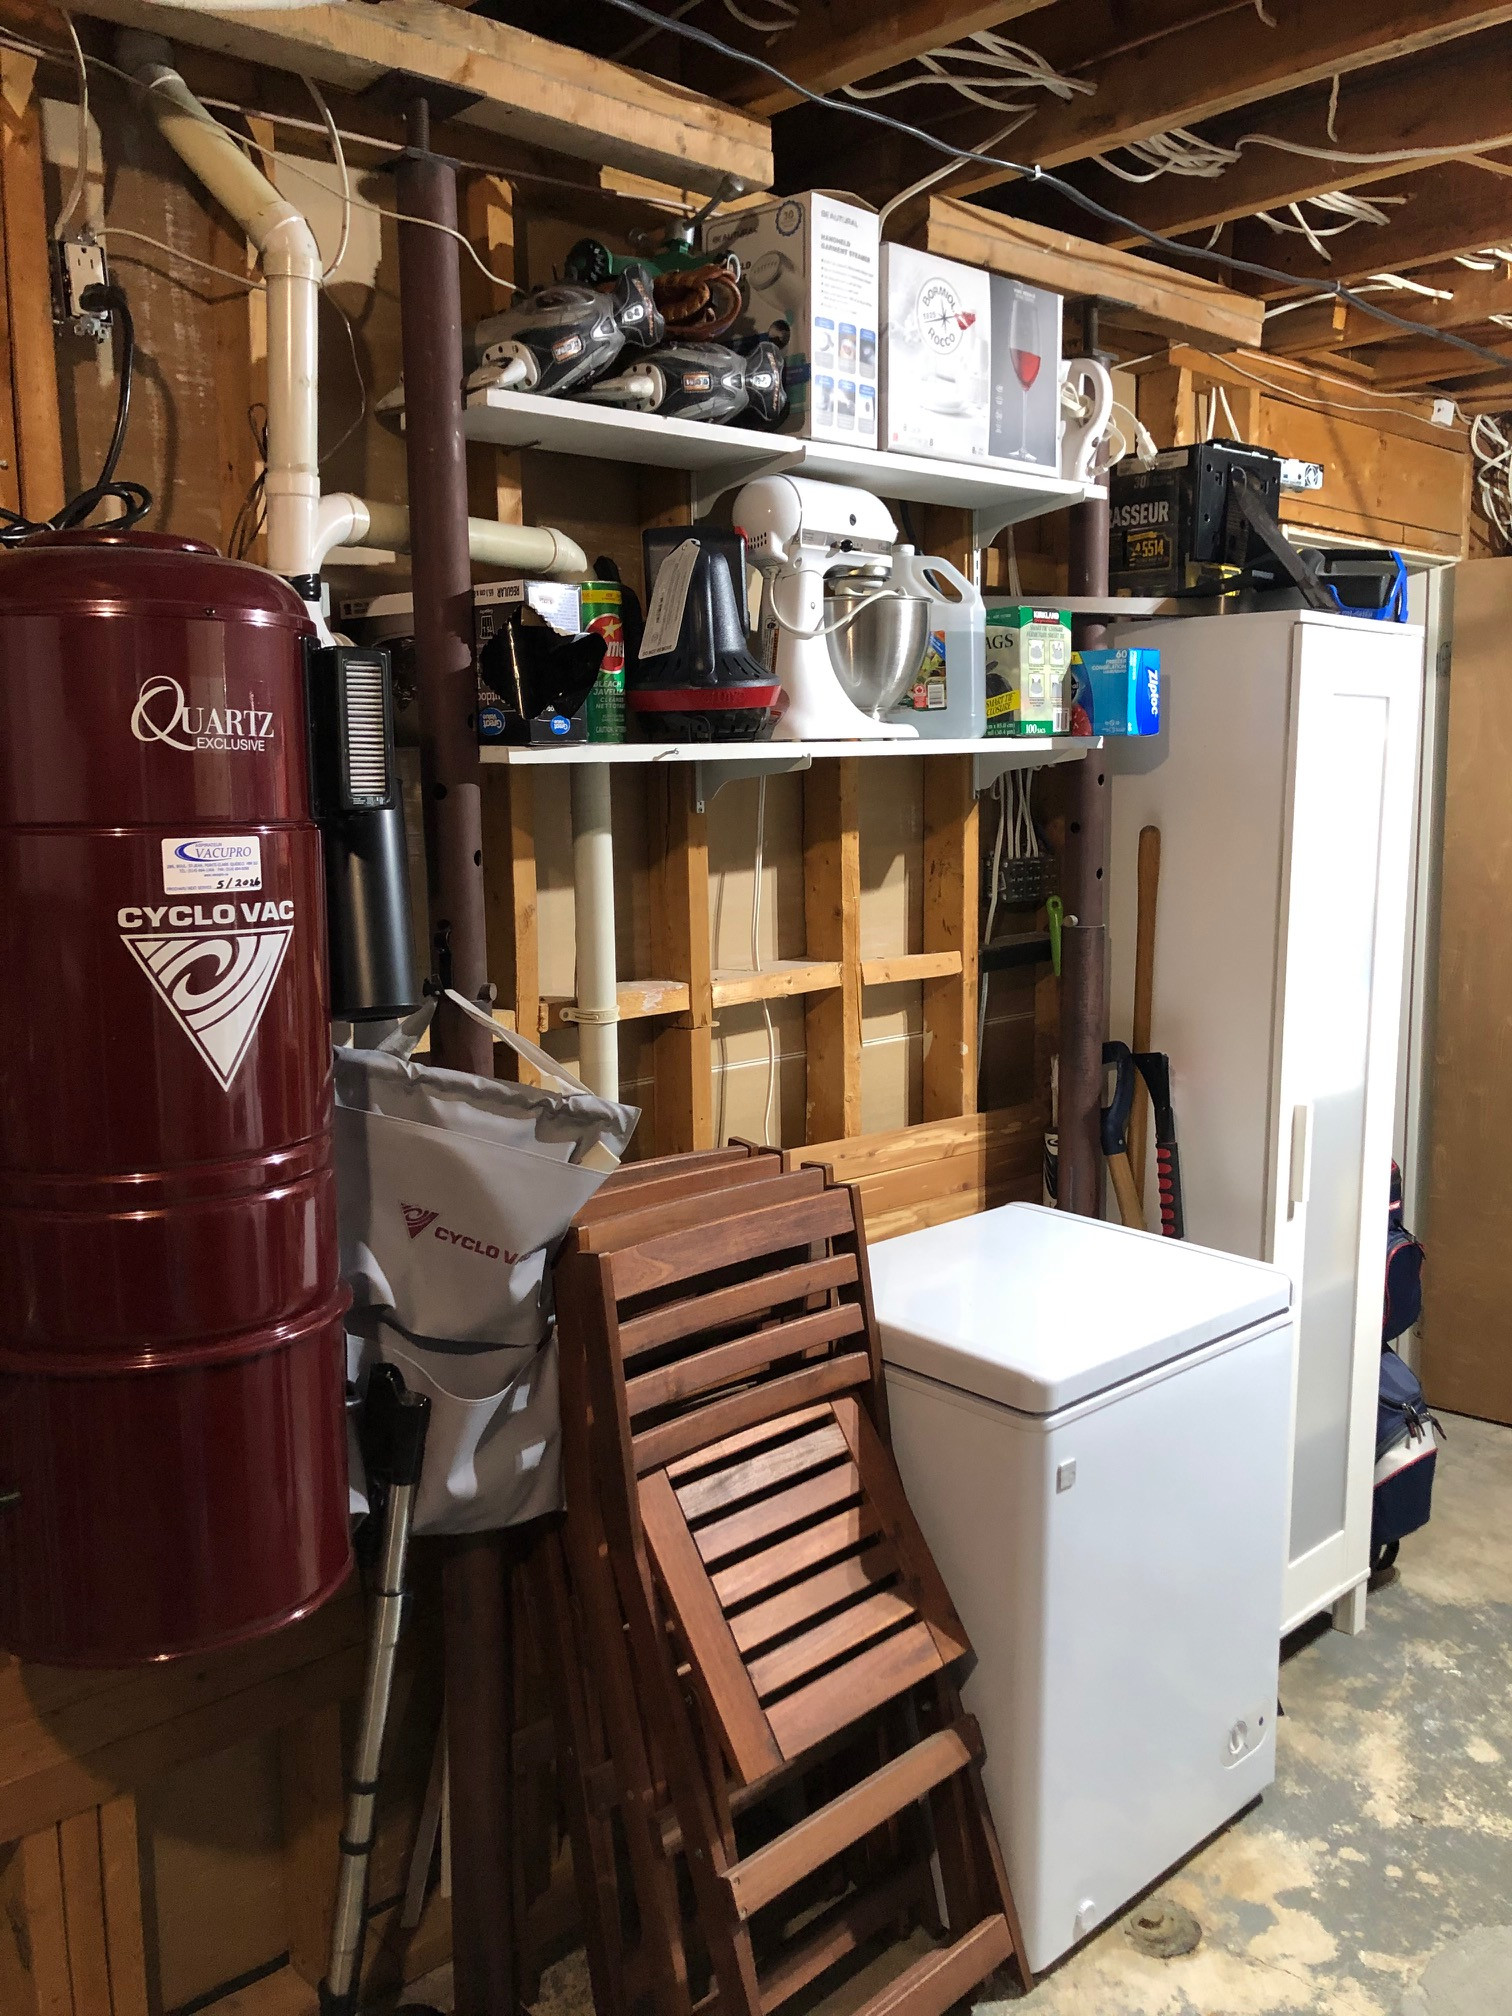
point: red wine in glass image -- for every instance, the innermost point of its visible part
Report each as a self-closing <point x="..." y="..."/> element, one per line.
<point x="1024" y="350"/>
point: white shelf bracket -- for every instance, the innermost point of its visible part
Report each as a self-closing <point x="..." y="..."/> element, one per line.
<point x="1024" y="753"/>
<point x="710" y="776"/>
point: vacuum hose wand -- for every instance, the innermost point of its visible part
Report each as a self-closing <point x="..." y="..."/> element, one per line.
<point x="394" y="1422"/>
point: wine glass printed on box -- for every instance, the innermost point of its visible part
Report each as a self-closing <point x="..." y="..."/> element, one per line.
<point x="1026" y="343"/>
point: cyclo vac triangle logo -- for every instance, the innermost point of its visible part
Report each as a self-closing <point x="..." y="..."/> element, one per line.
<point x="417" y="1218"/>
<point x="215" y="985"/>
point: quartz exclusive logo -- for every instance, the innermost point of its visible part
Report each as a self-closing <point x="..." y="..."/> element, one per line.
<point x="163" y="714"/>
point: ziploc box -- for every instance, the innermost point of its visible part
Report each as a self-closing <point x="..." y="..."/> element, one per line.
<point x="1028" y="668"/>
<point x="936" y="355"/>
<point x="810" y="265"/>
<point x="1115" y="692"/>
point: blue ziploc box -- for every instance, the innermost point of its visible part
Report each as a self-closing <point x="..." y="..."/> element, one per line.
<point x="1115" y="692"/>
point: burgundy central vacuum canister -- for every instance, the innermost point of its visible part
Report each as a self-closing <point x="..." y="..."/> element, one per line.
<point x="172" y="1444"/>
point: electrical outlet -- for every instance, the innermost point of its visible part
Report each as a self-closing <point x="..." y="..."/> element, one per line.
<point x="79" y="263"/>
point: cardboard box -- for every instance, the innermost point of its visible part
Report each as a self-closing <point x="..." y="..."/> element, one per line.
<point x="1115" y="692"/>
<point x="811" y="264"/>
<point x="970" y="363"/>
<point x="1028" y="669"/>
<point x="936" y="356"/>
<point x="1026" y="360"/>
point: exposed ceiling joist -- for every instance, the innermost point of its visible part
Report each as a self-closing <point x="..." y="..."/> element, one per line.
<point x="1448" y="98"/>
<point x="526" y="88"/>
<point x="1221" y="61"/>
<point x="838" y="42"/>
<point x="1417" y="363"/>
<point x="1323" y="325"/>
<point x="1075" y="266"/>
<point x="1450" y="210"/>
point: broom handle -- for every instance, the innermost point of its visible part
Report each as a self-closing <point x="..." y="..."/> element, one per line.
<point x="1144" y="989"/>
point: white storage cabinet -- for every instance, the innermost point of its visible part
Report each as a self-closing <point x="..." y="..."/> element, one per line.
<point x="1282" y="784"/>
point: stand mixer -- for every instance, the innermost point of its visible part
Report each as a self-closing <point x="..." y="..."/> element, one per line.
<point x="798" y="531"/>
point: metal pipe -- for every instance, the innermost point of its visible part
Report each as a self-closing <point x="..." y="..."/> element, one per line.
<point x="476" y="1594"/>
<point x="597" y="1011"/>
<point x="1084" y="968"/>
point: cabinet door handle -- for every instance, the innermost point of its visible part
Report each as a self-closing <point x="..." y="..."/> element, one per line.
<point x="1301" y="1155"/>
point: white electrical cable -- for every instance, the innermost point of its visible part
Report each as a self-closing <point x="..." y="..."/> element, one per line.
<point x="1179" y="152"/>
<point x="252" y="282"/>
<point x="339" y="156"/>
<point x="1001" y="65"/>
<point x="939" y="174"/>
<point x="1486" y="260"/>
<point x="293" y="164"/>
<point x="1339" y="203"/>
<point x="841" y="622"/>
<point x="1378" y="283"/>
<point x="1492" y="452"/>
<point x="766" y="1006"/>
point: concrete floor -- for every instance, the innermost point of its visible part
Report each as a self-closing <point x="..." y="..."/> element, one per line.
<point x="1375" y="1877"/>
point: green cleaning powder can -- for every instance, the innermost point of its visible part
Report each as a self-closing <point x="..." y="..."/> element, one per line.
<point x="601" y="609"/>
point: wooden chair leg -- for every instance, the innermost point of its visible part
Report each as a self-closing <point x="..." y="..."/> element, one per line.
<point x="591" y="1836"/>
<point x="71" y="1939"/>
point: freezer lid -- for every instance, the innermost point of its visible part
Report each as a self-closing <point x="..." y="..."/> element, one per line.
<point x="1040" y="1309"/>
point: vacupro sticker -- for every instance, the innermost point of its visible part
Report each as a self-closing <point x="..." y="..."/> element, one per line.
<point x="196" y="867"/>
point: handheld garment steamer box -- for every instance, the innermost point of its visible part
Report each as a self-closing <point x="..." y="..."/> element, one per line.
<point x="810" y="268"/>
<point x="970" y="363"/>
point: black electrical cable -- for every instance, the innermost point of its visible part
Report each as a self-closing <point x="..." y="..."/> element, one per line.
<point x="135" y="497"/>
<point x="1032" y="172"/>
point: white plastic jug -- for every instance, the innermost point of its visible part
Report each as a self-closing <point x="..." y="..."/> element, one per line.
<point x="949" y="697"/>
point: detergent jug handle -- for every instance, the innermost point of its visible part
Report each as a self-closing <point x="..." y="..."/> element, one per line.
<point x="915" y="570"/>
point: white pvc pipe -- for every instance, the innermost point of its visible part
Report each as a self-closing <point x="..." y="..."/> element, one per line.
<point x="345" y="520"/>
<point x="593" y="884"/>
<point x="291" y="266"/>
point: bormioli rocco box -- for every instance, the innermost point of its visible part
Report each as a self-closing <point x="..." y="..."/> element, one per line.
<point x="811" y="269"/>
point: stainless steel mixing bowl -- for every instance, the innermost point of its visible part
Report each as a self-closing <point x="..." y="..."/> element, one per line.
<point x="877" y="654"/>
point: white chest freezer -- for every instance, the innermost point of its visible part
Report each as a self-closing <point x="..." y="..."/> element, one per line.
<point x="1093" y="1426"/>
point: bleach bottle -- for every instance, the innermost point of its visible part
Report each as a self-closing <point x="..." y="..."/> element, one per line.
<point x="949" y="696"/>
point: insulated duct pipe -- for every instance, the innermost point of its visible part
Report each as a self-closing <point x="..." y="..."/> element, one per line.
<point x="291" y="266"/>
<point x="303" y="527"/>
<point x="345" y="520"/>
<point x="597" y="1010"/>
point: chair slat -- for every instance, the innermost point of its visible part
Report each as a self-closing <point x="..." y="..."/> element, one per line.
<point x="655" y="1447"/>
<point x="722" y="1364"/>
<point x="717" y="1664"/>
<point x="835" y="1638"/>
<point x="800" y="1552"/>
<point x="675" y="1320"/>
<point x="776" y="1866"/>
<point x="821" y="1443"/>
<point x="939" y="1980"/>
<point x="662" y="1262"/>
<point x="884" y="1488"/>
<point x="847" y="1926"/>
<point x="704" y="1210"/>
<point x="702" y="1461"/>
<point x="839" y="1698"/>
<point x="812" y="1597"/>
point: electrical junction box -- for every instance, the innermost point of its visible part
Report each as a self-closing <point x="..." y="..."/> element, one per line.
<point x="810" y="266"/>
<point x="1028" y="661"/>
<point x="1297" y="475"/>
<point x="1172" y="530"/>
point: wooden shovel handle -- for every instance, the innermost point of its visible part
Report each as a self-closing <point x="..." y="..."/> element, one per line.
<point x="1144" y="992"/>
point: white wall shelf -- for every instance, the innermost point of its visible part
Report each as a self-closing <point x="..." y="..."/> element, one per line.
<point x="717" y="764"/>
<point x="719" y="458"/>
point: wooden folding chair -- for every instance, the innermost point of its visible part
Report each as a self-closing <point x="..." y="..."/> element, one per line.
<point x="774" y="1642"/>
